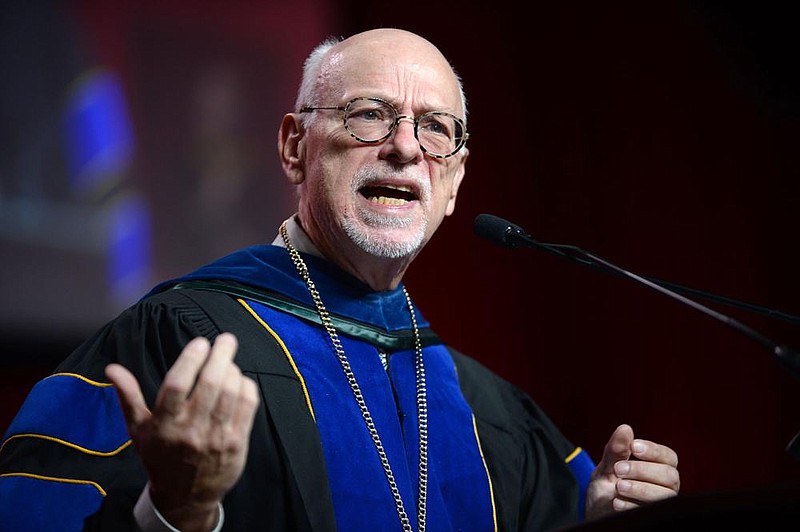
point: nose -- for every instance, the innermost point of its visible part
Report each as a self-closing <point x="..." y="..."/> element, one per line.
<point x="402" y="144"/>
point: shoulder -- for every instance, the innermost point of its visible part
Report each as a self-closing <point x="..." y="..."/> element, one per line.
<point x="148" y="336"/>
<point x="195" y="311"/>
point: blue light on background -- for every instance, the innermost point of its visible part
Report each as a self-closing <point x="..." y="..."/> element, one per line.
<point x="99" y="141"/>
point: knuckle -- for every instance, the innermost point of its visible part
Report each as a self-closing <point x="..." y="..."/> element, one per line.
<point x="232" y="385"/>
<point x="234" y="444"/>
<point x="221" y="413"/>
<point x="206" y="382"/>
<point x="193" y="442"/>
<point x="250" y="397"/>
<point x="249" y="393"/>
<point x="172" y="386"/>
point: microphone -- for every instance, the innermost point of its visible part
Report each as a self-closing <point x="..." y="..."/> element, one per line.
<point x="504" y="233"/>
<point x="499" y="231"/>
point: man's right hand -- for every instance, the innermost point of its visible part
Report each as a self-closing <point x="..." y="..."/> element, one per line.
<point x="194" y="443"/>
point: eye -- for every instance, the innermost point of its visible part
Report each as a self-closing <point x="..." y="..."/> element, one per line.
<point x="371" y="114"/>
<point x="370" y="111"/>
<point x="437" y="124"/>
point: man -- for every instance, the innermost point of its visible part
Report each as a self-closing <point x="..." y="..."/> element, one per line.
<point x="309" y="393"/>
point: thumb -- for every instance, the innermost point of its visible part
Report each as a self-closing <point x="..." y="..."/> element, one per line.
<point x="130" y="396"/>
<point x="618" y="448"/>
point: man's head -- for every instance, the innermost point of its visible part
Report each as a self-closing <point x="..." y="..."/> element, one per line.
<point x="373" y="205"/>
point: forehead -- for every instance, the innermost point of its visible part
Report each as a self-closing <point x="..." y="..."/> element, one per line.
<point x="403" y="70"/>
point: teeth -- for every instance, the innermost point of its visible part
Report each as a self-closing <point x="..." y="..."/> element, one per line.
<point x="373" y="193"/>
<point x="382" y="200"/>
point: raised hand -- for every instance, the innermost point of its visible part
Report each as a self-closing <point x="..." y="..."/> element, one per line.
<point x="194" y="443"/>
<point x="631" y="473"/>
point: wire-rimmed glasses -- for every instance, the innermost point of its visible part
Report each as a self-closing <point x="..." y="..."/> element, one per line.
<point x="372" y="120"/>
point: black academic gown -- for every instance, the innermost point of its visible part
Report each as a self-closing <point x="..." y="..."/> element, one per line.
<point x="284" y="486"/>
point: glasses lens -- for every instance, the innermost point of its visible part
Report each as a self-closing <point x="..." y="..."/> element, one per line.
<point x="369" y="120"/>
<point x="440" y="133"/>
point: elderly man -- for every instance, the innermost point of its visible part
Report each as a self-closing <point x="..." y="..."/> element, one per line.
<point x="295" y="386"/>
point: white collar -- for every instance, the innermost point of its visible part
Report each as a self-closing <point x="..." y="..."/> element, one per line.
<point x="298" y="237"/>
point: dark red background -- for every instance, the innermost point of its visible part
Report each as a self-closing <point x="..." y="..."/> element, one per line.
<point x="661" y="138"/>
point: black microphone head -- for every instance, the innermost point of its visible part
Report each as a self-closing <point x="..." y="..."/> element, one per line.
<point x="497" y="230"/>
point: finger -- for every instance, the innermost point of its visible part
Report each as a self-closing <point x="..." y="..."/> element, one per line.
<point x="652" y="472"/>
<point x="618" y="448"/>
<point x="180" y="378"/>
<point x="228" y="395"/>
<point x="654" y="452"/>
<point x="643" y="492"/>
<point x="246" y="406"/>
<point x="211" y="379"/>
<point x="620" y="505"/>
<point x="131" y="399"/>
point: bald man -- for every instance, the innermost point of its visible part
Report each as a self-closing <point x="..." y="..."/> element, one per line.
<point x="295" y="386"/>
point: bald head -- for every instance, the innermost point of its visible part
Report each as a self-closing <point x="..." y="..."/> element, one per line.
<point x="363" y="56"/>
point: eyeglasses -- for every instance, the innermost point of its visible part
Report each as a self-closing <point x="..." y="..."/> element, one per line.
<point x="372" y="120"/>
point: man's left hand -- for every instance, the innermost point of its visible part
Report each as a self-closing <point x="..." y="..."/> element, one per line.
<point x="631" y="473"/>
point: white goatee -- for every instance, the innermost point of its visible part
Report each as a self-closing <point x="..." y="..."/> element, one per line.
<point x="365" y="229"/>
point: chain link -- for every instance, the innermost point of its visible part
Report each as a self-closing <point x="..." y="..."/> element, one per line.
<point x="422" y="403"/>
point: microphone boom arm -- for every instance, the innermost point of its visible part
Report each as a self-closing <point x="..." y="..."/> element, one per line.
<point x="789" y="358"/>
<point x="507" y="234"/>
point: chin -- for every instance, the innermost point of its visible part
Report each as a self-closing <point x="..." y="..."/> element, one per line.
<point x="387" y="243"/>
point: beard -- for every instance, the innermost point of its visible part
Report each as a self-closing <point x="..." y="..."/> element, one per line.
<point x="375" y="233"/>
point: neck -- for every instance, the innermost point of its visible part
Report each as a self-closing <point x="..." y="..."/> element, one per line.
<point x="379" y="273"/>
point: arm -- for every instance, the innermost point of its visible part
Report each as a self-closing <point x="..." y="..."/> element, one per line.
<point x="631" y="473"/>
<point x="68" y="461"/>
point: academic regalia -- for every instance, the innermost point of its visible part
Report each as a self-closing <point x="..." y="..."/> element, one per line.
<point x="495" y="457"/>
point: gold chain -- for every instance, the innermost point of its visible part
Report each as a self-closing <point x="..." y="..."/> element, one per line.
<point x="422" y="402"/>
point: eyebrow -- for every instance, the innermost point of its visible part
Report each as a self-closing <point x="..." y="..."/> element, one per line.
<point x="425" y="109"/>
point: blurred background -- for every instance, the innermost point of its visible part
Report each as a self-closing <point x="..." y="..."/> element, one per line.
<point x="139" y="142"/>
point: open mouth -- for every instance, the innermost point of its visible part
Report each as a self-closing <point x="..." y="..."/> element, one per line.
<point x="389" y="194"/>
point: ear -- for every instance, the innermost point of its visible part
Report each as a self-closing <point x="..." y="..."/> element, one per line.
<point x="460" y="171"/>
<point x="291" y="148"/>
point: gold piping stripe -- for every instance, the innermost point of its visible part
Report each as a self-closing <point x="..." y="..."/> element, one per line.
<point x="488" y="477"/>
<point x="572" y="455"/>
<point x="81" y="377"/>
<point x="68" y="444"/>
<point x="54" y="479"/>
<point x="286" y="352"/>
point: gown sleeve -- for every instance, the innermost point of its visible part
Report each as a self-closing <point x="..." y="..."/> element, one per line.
<point x="67" y="461"/>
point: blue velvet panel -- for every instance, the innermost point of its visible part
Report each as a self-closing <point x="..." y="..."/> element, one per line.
<point x="67" y="504"/>
<point x="459" y="496"/>
<point x="72" y="410"/>
<point x="582" y="467"/>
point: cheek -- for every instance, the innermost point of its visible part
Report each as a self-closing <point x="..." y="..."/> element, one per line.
<point x="329" y="182"/>
<point x="443" y="189"/>
<point x="438" y="209"/>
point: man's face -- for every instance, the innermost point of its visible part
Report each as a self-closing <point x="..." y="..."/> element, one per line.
<point x="387" y="198"/>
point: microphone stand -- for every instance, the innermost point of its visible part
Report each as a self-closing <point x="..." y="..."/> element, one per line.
<point x="789" y="358"/>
